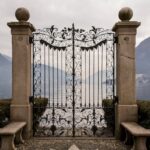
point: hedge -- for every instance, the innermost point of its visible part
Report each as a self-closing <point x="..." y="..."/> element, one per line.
<point x="144" y="116"/>
<point x="4" y="112"/>
<point x="39" y="108"/>
<point x="41" y="103"/>
<point x="109" y="113"/>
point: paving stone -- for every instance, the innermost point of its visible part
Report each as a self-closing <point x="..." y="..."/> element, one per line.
<point x="72" y="144"/>
<point x="73" y="147"/>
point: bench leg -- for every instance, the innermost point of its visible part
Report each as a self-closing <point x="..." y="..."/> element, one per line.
<point x="128" y="138"/>
<point x="139" y="143"/>
<point x="18" y="138"/>
<point x="8" y="142"/>
<point x="123" y="134"/>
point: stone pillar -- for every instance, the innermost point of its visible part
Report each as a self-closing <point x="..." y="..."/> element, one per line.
<point x="21" y="109"/>
<point x="125" y="32"/>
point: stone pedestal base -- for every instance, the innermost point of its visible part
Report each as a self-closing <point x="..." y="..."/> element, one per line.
<point x="124" y="113"/>
<point x="23" y="113"/>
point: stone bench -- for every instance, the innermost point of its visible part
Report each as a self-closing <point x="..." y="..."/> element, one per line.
<point x="138" y="132"/>
<point x="11" y="132"/>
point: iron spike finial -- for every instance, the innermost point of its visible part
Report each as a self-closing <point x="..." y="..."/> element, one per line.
<point x="73" y="25"/>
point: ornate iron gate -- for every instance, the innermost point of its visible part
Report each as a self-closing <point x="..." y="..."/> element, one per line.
<point x="73" y="82"/>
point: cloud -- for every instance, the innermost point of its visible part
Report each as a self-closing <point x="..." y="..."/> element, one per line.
<point x="84" y="13"/>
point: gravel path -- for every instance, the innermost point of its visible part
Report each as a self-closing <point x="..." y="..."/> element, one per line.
<point x="66" y="144"/>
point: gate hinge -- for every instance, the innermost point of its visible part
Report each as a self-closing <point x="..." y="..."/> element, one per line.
<point x="116" y="39"/>
<point x="31" y="99"/>
<point x="30" y="39"/>
<point x="115" y="99"/>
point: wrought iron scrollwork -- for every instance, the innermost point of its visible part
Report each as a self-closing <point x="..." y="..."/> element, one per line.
<point x="77" y="62"/>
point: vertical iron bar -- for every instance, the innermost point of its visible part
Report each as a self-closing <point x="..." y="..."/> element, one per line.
<point x="40" y="72"/>
<point x="89" y="80"/>
<point x="44" y="73"/>
<point x="98" y="75"/>
<point x="102" y="74"/>
<point x="73" y="77"/>
<point x="94" y="113"/>
<point x="81" y="79"/>
<point x="113" y="50"/>
<point x="66" y="79"/>
<point x="57" y="78"/>
<point x="49" y="75"/>
<point x="53" y="74"/>
<point x="53" y="112"/>
<point x="61" y="80"/>
<point x="106" y="69"/>
<point x="33" y="74"/>
<point x="85" y="78"/>
<point x="93" y="77"/>
<point x="94" y="126"/>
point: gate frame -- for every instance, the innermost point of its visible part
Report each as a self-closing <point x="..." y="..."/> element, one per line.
<point x="21" y="107"/>
<point x="44" y="36"/>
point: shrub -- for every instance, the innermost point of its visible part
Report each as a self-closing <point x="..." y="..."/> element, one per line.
<point x="39" y="108"/>
<point x="108" y="107"/>
<point x="144" y="116"/>
<point x="144" y="113"/>
<point x="4" y="113"/>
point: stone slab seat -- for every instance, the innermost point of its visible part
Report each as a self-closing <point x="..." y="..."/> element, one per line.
<point x="140" y="134"/>
<point x="11" y="132"/>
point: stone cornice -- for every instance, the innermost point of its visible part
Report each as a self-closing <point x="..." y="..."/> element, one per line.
<point x="126" y="24"/>
<point x="21" y="24"/>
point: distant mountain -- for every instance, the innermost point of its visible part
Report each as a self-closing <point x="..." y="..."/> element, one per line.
<point x="7" y="57"/>
<point x="143" y="69"/>
<point x="52" y="77"/>
<point x="5" y="60"/>
<point x="5" y="76"/>
<point x="143" y="86"/>
<point x="143" y="57"/>
<point x="96" y="78"/>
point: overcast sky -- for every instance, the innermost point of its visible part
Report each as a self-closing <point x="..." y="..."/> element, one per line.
<point x="61" y="13"/>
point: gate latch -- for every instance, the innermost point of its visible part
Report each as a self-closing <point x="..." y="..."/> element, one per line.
<point x="116" y="39"/>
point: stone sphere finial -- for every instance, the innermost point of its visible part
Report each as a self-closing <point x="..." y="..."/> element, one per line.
<point x="22" y="14"/>
<point x="125" y="14"/>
